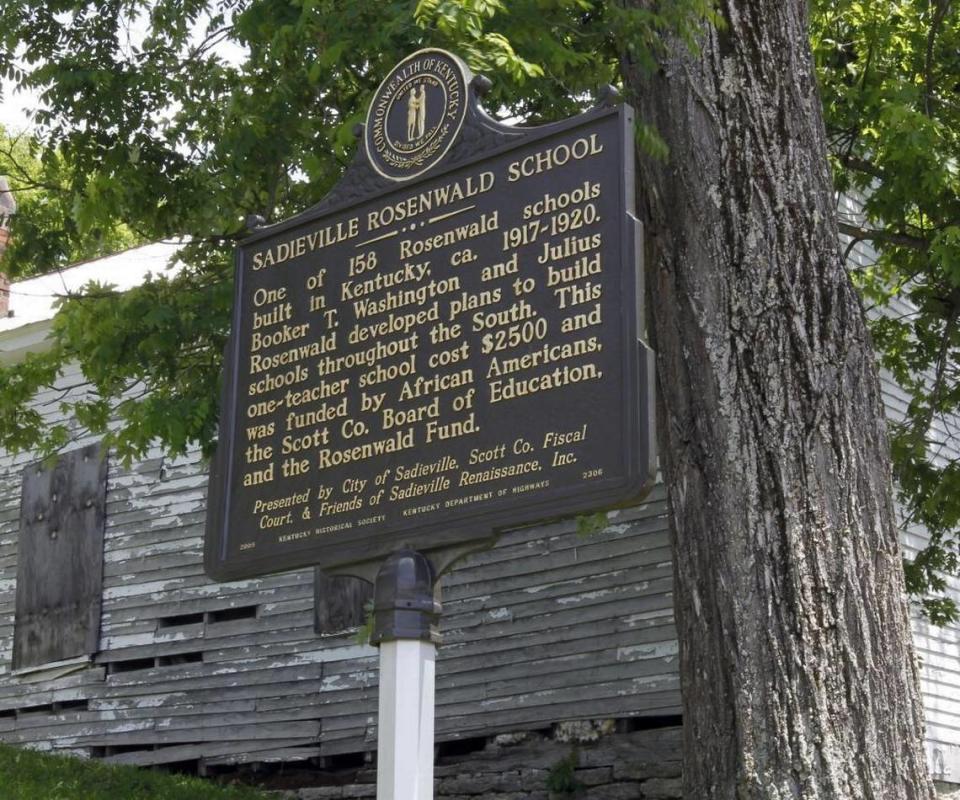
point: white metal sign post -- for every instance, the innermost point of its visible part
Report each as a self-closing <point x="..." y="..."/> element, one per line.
<point x="405" y="616"/>
<point x="405" y="739"/>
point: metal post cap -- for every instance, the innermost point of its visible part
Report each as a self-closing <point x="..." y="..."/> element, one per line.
<point x="404" y="606"/>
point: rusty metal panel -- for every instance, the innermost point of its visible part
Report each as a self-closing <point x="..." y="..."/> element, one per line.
<point x="60" y="562"/>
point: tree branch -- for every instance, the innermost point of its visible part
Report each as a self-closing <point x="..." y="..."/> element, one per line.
<point x="861" y="165"/>
<point x="885" y="237"/>
<point x="942" y="362"/>
<point x="943" y="8"/>
<point x="208" y="42"/>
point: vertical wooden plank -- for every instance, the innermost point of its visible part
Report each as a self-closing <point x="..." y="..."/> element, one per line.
<point x="60" y="560"/>
<point x="339" y="602"/>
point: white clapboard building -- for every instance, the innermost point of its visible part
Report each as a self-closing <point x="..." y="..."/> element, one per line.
<point x="115" y="644"/>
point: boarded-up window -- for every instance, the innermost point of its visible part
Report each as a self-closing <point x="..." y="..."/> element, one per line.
<point x="60" y="559"/>
<point x="339" y="602"/>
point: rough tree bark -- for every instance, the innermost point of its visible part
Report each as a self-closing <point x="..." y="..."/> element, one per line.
<point x="797" y="668"/>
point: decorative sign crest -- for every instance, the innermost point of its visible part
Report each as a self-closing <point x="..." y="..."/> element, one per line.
<point x="416" y="114"/>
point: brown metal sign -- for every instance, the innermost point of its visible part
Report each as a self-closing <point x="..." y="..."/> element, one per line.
<point x="423" y="360"/>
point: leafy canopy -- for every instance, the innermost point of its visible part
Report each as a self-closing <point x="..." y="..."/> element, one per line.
<point x="173" y="133"/>
<point x="183" y="117"/>
<point x="889" y="74"/>
<point x="48" y="234"/>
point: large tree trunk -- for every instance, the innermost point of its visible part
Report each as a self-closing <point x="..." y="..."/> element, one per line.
<point x="798" y="673"/>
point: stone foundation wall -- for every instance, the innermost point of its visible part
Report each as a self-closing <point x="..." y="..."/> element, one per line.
<point x="573" y="764"/>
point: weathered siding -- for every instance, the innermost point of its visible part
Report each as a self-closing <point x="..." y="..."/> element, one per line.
<point x="548" y="625"/>
<point x="937" y="648"/>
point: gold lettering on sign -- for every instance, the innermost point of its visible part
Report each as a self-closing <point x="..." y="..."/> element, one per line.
<point x="396" y="357"/>
<point x="307" y="243"/>
<point x="433" y="200"/>
<point x="553" y="157"/>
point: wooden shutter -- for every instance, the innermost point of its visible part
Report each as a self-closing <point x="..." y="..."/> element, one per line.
<point x="60" y="558"/>
<point x="339" y="602"/>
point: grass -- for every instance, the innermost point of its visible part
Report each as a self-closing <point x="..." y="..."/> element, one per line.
<point x="26" y="775"/>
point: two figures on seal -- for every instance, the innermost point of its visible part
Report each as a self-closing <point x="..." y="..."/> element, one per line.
<point x="416" y="112"/>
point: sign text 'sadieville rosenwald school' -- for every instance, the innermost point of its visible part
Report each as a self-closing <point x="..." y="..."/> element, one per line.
<point x="448" y="344"/>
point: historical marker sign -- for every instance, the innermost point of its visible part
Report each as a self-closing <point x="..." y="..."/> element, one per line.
<point x="450" y="343"/>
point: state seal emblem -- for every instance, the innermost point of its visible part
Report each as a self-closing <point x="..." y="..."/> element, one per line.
<point x="416" y="114"/>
